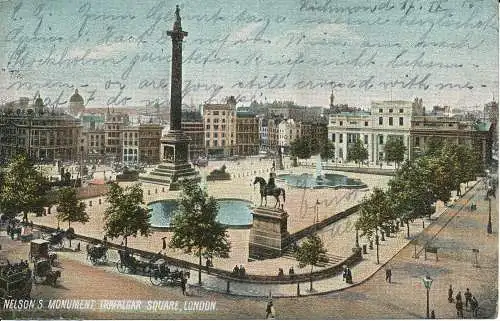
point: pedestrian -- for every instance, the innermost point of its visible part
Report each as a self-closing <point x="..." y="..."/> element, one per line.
<point x="459" y="296"/>
<point x="269" y="310"/>
<point x="236" y="270"/>
<point x="388" y="274"/>
<point x="280" y="272"/>
<point x="468" y="298"/>
<point x="291" y="272"/>
<point x="183" y="284"/>
<point x="433" y="315"/>
<point x="450" y="294"/>
<point x="242" y="270"/>
<point x="349" y="276"/>
<point x="274" y="166"/>
<point x="460" y="309"/>
<point x="344" y="274"/>
<point x="474" y="306"/>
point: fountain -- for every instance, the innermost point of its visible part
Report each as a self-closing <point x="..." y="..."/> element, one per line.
<point x="319" y="169"/>
<point x="321" y="180"/>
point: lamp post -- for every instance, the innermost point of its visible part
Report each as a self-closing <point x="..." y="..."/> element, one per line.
<point x="488" y="228"/>
<point x="427" y="283"/>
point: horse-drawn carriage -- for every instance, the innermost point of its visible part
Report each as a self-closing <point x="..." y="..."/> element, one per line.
<point x="15" y="280"/>
<point x="97" y="254"/>
<point x="40" y="249"/>
<point x="162" y="274"/>
<point x="128" y="262"/>
<point x="43" y="272"/>
<point x="55" y="239"/>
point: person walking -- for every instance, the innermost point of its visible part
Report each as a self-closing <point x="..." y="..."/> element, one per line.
<point x="450" y="294"/>
<point x="433" y="315"/>
<point x="349" y="276"/>
<point x="269" y="309"/>
<point x="460" y="309"/>
<point x="474" y="306"/>
<point x="459" y="296"/>
<point x="468" y="298"/>
<point x="388" y="274"/>
<point x="183" y="284"/>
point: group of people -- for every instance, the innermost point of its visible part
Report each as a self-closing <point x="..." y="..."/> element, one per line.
<point x="470" y="302"/>
<point x="239" y="271"/>
<point x="291" y="272"/>
<point x="347" y="275"/>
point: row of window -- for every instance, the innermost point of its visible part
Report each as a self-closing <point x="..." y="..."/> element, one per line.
<point x="223" y="113"/>
<point x="216" y="135"/>
<point x="391" y="121"/>
<point x="381" y="110"/>
<point x="223" y="143"/>
<point x="352" y="138"/>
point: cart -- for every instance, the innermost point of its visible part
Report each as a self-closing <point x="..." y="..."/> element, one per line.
<point x="15" y="281"/>
<point x="40" y="249"/>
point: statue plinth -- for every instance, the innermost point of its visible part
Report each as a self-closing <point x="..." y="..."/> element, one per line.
<point x="269" y="235"/>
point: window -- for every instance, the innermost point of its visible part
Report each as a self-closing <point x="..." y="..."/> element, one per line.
<point x="417" y="141"/>
<point x="381" y="120"/>
<point x="366" y="124"/>
<point x="333" y="137"/>
<point x="400" y="121"/>
<point x="216" y="127"/>
<point x="341" y="138"/>
<point x="208" y="127"/>
<point x="208" y="135"/>
<point x="341" y="123"/>
<point x="381" y="110"/>
<point x="390" y="121"/>
<point x="223" y="120"/>
<point x="366" y="139"/>
<point x="401" y="110"/>
<point x="216" y="113"/>
<point x="390" y="110"/>
<point x="381" y="140"/>
<point x="216" y="135"/>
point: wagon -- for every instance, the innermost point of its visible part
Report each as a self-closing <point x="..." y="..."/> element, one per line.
<point x="43" y="272"/>
<point x="39" y="248"/>
<point x="97" y="253"/>
<point x="15" y="280"/>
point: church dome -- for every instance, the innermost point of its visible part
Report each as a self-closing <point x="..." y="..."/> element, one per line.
<point x="76" y="98"/>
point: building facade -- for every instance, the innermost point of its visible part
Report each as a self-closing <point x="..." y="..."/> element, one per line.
<point x="220" y="128"/>
<point x="149" y="144"/>
<point x="42" y="134"/>
<point x="247" y="133"/>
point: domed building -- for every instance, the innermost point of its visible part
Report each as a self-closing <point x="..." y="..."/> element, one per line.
<point x="76" y="104"/>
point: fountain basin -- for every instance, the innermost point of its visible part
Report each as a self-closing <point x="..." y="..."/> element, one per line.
<point x="233" y="213"/>
<point x="334" y="181"/>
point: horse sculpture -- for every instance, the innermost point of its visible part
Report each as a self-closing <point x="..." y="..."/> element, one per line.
<point x="273" y="191"/>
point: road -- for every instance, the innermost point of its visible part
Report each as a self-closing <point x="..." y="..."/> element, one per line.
<point x="374" y="299"/>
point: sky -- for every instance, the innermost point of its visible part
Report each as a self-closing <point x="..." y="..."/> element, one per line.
<point x="117" y="53"/>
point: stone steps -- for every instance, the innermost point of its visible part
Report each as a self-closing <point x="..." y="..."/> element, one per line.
<point x="332" y="258"/>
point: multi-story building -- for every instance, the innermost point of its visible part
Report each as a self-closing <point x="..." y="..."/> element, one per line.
<point x="386" y="120"/>
<point x="43" y="134"/>
<point x="247" y="133"/>
<point x="114" y="122"/>
<point x="220" y="128"/>
<point x="273" y="134"/>
<point x="192" y="125"/>
<point x="93" y="145"/>
<point x="149" y="143"/>
<point x="263" y="136"/>
<point x="425" y="129"/>
<point x="288" y="131"/>
<point x="130" y="144"/>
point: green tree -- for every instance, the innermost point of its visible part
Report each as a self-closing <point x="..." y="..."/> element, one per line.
<point x="411" y="194"/>
<point x="195" y="228"/>
<point x="327" y="150"/>
<point x="301" y="148"/>
<point x="357" y="152"/>
<point x="23" y="189"/>
<point x="125" y="215"/>
<point x="311" y="252"/>
<point x="395" y="150"/>
<point x="434" y="146"/>
<point x="70" y="209"/>
<point x="377" y="214"/>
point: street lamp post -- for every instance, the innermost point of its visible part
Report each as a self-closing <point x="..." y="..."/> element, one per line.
<point x="427" y="283"/>
<point x="488" y="228"/>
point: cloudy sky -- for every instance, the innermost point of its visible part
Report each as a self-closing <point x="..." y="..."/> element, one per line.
<point x="116" y="52"/>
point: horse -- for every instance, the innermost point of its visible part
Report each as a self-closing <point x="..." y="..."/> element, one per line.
<point x="276" y="192"/>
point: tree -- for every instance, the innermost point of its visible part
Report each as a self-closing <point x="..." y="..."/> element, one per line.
<point x="301" y="148"/>
<point x="395" y="150"/>
<point x="357" y="152"/>
<point x="311" y="252"/>
<point x="376" y="214"/>
<point x="125" y="216"/>
<point x="70" y="209"/>
<point x="411" y="194"/>
<point x="23" y="189"/>
<point x="194" y="226"/>
<point x="327" y="150"/>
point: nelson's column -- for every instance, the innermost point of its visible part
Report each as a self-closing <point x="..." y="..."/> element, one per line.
<point x="175" y="166"/>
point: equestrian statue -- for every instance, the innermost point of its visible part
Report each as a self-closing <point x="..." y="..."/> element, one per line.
<point x="270" y="189"/>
